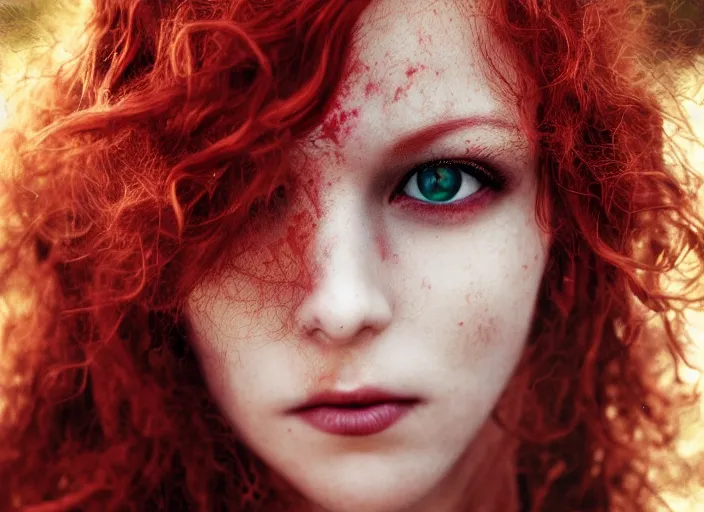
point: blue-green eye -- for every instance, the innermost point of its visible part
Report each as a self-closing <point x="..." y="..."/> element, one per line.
<point x="442" y="182"/>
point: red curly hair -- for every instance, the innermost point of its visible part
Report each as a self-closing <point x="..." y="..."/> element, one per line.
<point x="131" y="172"/>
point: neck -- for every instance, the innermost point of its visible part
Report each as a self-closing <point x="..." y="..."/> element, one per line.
<point x="484" y="480"/>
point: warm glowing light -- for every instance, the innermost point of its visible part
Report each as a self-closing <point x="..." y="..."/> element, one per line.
<point x="3" y="111"/>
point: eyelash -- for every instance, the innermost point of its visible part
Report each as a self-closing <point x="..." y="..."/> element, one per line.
<point x="488" y="177"/>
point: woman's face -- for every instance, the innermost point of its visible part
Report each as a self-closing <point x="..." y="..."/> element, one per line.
<point x="425" y="282"/>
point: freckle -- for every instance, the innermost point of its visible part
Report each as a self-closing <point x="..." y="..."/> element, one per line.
<point x="289" y="430"/>
<point x="371" y="88"/>
<point x="422" y="40"/>
<point x="327" y="251"/>
<point x="414" y="69"/>
<point x="485" y="333"/>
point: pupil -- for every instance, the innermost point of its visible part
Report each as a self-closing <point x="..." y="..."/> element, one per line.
<point x="439" y="183"/>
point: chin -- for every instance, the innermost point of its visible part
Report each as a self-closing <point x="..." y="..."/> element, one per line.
<point x="354" y="500"/>
<point x="368" y="493"/>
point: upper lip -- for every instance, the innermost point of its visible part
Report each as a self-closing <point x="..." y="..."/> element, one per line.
<point x="361" y="396"/>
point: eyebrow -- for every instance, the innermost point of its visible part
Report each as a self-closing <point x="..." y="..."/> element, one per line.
<point x="425" y="136"/>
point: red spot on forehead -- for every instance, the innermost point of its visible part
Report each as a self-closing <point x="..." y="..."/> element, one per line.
<point x="371" y="88"/>
<point x="338" y="124"/>
<point x="403" y="89"/>
<point x="424" y="39"/>
<point x="356" y="68"/>
<point x="340" y="121"/>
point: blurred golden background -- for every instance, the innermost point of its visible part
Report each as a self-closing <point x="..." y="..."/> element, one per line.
<point x="38" y="35"/>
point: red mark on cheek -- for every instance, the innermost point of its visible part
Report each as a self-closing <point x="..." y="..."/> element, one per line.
<point x="525" y="267"/>
<point x="460" y="324"/>
<point x="487" y="332"/>
<point x="425" y="284"/>
<point x="384" y="249"/>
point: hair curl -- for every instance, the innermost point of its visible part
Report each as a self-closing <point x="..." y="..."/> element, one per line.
<point x="131" y="171"/>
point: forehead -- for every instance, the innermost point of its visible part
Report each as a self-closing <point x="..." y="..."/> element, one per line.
<point x="412" y="64"/>
<point x="416" y="29"/>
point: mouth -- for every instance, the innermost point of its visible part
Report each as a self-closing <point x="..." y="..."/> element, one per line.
<point x="363" y="412"/>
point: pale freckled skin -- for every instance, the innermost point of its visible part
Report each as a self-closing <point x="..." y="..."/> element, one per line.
<point x="435" y="306"/>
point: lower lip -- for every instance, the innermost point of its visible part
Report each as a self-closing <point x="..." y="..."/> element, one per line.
<point x="363" y="421"/>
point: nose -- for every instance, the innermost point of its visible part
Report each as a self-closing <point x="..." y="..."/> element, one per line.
<point x="350" y="296"/>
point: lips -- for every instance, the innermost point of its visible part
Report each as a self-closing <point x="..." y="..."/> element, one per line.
<point x="362" y="412"/>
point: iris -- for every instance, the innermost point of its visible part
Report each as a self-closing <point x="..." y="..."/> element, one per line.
<point x="439" y="183"/>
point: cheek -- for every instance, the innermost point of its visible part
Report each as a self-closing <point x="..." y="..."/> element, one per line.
<point x="228" y="343"/>
<point x="477" y="304"/>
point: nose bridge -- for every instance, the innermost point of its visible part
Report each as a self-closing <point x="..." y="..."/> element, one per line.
<point x="348" y="296"/>
<point x="344" y="236"/>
